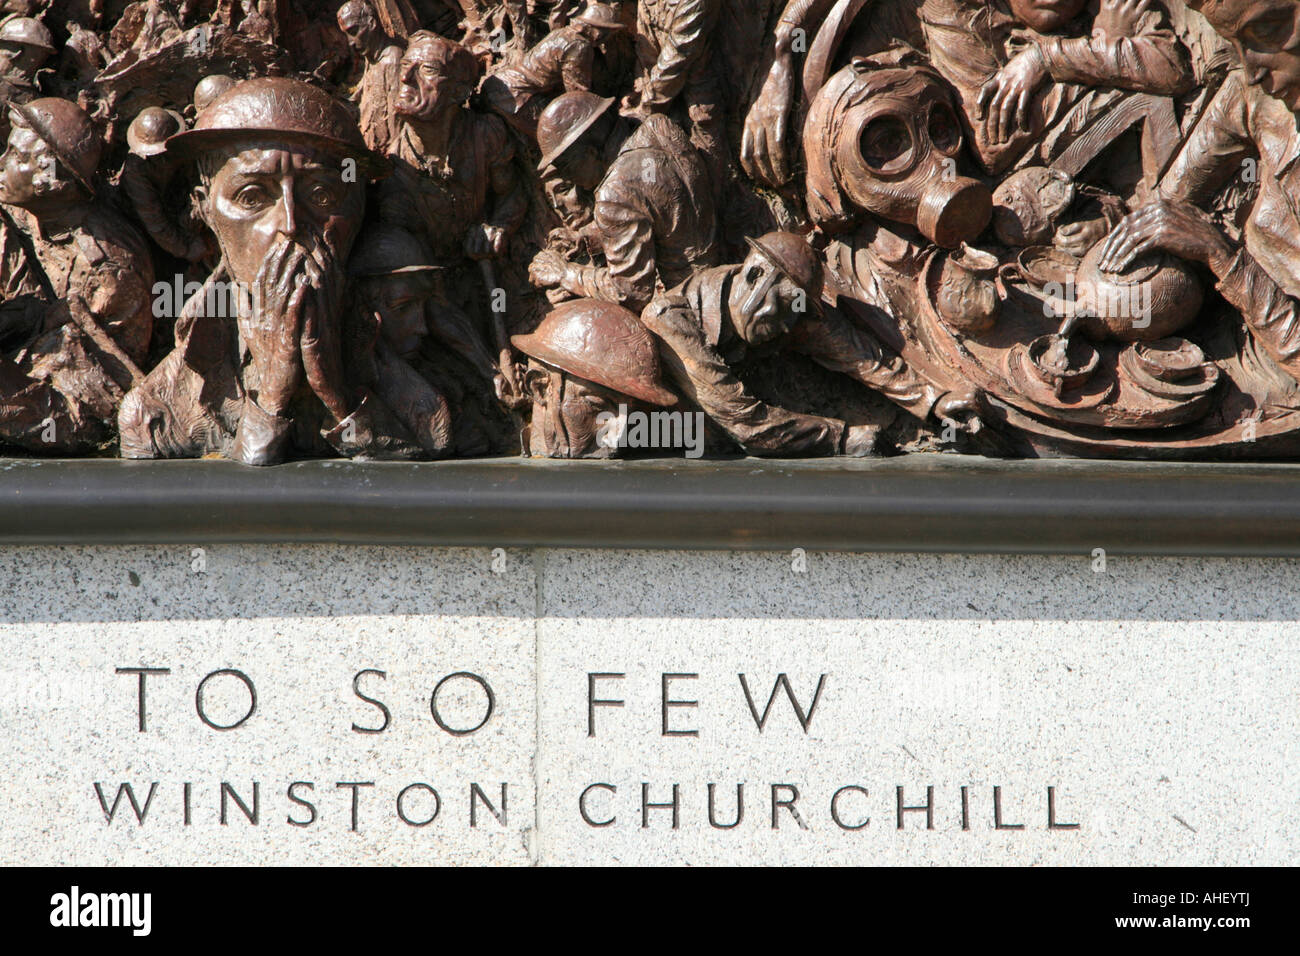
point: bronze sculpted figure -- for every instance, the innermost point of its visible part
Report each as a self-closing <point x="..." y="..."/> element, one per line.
<point x="268" y="378"/>
<point x="422" y="229"/>
<point x="76" y="279"/>
<point x="645" y="194"/>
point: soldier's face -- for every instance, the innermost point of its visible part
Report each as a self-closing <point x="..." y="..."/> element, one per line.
<point x="764" y="303"/>
<point x="357" y="29"/>
<point x="1046" y="16"/>
<point x="425" y="86"/>
<point x="21" y="60"/>
<point x="25" y="163"/>
<point x="399" y="300"/>
<point x="260" y="195"/>
<point x="1266" y="34"/>
<point x="580" y="164"/>
<point x="567" y="411"/>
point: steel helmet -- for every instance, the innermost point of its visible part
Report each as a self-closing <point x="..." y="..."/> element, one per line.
<point x="148" y="133"/>
<point x="279" y="109"/>
<point x="566" y="118"/>
<point x="793" y="257"/>
<point x="67" y="130"/>
<point x="603" y="343"/>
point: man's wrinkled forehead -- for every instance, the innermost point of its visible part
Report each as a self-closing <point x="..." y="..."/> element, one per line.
<point x="269" y="160"/>
<point x="428" y="51"/>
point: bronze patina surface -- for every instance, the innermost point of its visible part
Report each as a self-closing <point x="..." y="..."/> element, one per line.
<point x="456" y="229"/>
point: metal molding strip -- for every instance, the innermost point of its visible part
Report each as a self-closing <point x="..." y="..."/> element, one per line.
<point x="943" y="503"/>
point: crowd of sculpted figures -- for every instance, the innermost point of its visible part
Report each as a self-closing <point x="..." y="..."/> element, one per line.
<point x="424" y="229"/>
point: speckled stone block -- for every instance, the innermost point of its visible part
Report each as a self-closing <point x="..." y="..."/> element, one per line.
<point x="300" y="623"/>
<point x="1155" y="698"/>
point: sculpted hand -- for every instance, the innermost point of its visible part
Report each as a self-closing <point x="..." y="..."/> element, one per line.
<point x="270" y="328"/>
<point x="1077" y="238"/>
<point x="1173" y="227"/>
<point x="763" y="147"/>
<point x="547" y="269"/>
<point x="321" y="342"/>
<point x="1005" y="99"/>
<point x="1119" y="18"/>
<point x="633" y="105"/>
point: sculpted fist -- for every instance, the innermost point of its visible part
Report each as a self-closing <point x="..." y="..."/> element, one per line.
<point x="547" y="269"/>
<point x="485" y="242"/>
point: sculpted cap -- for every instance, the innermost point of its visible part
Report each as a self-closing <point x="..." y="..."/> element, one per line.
<point x="67" y="130"/>
<point x="565" y="119"/>
<point x="148" y="133"/>
<point x="280" y="110"/>
<point x="209" y="88"/>
<point x="793" y="257"/>
<point x="28" y="32"/>
<point x="386" y="250"/>
<point x="600" y="15"/>
<point x="603" y="343"/>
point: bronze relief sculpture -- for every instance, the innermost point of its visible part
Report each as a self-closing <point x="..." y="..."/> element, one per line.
<point x="422" y="229"/>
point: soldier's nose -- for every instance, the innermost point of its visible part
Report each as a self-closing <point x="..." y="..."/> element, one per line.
<point x="288" y="224"/>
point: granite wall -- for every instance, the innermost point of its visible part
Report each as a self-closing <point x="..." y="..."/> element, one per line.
<point x="422" y="705"/>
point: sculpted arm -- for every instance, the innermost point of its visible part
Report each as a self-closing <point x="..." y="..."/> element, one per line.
<point x="833" y="342"/>
<point x="1151" y="60"/>
<point x="701" y="375"/>
<point x="764" y="149"/>
<point x="1215" y="150"/>
<point x="693" y="21"/>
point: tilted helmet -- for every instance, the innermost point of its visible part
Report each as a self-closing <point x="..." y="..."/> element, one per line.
<point x="385" y="250"/>
<point x="793" y="257"/>
<point x="600" y="15"/>
<point x="28" y="32"/>
<point x="68" y="131"/>
<point x="603" y="343"/>
<point x="209" y="88"/>
<point x="149" y="131"/>
<point x="565" y="119"/>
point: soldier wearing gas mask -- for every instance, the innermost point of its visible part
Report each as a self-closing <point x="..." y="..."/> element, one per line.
<point x="884" y="147"/>
<point x="883" y="137"/>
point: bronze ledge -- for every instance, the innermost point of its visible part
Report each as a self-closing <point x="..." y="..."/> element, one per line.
<point x="920" y="503"/>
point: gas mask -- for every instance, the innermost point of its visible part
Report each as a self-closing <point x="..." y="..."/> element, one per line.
<point x="885" y="139"/>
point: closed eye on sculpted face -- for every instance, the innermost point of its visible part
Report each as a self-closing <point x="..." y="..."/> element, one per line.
<point x="1270" y="31"/>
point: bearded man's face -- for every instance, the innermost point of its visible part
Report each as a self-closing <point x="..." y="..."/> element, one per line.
<point x="261" y="197"/>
